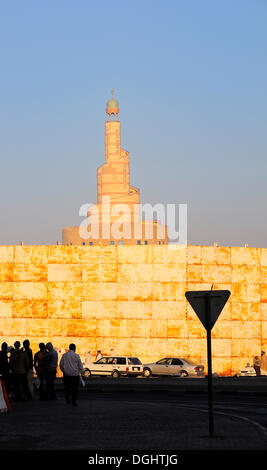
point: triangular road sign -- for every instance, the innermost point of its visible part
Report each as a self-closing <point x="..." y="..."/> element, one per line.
<point x="208" y="305"/>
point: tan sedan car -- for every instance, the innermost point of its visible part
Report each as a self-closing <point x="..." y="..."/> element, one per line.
<point x="175" y="366"/>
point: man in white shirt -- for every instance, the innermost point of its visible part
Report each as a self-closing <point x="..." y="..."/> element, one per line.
<point x="71" y="366"/>
<point x="88" y="358"/>
<point x="99" y="355"/>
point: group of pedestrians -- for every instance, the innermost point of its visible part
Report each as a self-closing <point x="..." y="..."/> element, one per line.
<point x="260" y="364"/>
<point x="16" y="371"/>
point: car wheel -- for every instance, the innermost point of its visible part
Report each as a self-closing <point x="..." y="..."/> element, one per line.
<point x="87" y="373"/>
<point x="115" y="374"/>
<point x="147" y="373"/>
<point x="184" y="373"/>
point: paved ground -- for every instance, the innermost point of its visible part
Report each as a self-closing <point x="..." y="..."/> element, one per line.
<point x="124" y="421"/>
<point x="223" y="385"/>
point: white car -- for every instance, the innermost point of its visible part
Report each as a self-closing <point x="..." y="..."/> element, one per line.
<point x="247" y="371"/>
<point x="114" y="366"/>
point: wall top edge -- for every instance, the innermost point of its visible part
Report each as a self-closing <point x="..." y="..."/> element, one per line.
<point x="123" y="247"/>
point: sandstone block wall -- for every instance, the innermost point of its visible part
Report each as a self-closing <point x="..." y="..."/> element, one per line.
<point x="132" y="298"/>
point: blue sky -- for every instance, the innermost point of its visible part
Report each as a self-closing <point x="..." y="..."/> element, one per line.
<point x="190" y="77"/>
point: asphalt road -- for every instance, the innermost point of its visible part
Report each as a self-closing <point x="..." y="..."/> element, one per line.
<point x="135" y="420"/>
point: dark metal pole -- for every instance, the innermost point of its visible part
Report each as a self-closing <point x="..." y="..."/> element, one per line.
<point x="210" y="394"/>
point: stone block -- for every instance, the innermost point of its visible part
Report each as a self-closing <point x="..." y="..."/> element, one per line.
<point x="64" y="272"/>
<point x="264" y="330"/>
<point x="96" y="272"/>
<point x="81" y="327"/>
<point x="193" y="254"/>
<point x="6" y="308"/>
<point x="221" y="347"/>
<point x="6" y="254"/>
<point x="122" y="346"/>
<point x="159" y="328"/>
<point x="6" y="290"/>
<point x="169" y="290"/>
<point x="64" y="309"/>
<point x="137" y="328"/>
<point x="169" y="309"/>
<point x="222" y="329"/>
<point x="245" y="311"/>
<point x="149" y="349"/>
<point x="90" y="254"/>
<point x="197" y="347"/>
<point x="30" y="290"/>
<point x="30" y="309"/>
<point x="198" y="286"/>
<point x="37" y="327"/>
<point x="177" y="347"/>
<point x="213" y="273"/>
<point x="196" y="329"/>
<point x="169" y="254"/>
<point x="134" y="309"/>
<point x="248" y="274"/>
<point x="194" y="273"/>
<point x="99" y="309"/>
<point x="11" y="326"/>
<point x="209" y="254"/>
<point x="263" y="275"/>
<point x="64" y="291"/>
<point x="134" y="291"/>
<point x="246" y="329"/>
<point x="263" y="256"/>
<point x="263" y="290"/>
<point x="263" y="311"/>
<point x="64" y="254"/>
<point x="226" y="313"/>
<point x="176" y="329"/>
<point x="99" y="291"/>
<point x="55" y="327"/>
<point x="246" y="348"/>
<point x="135" y="254"/>
<point x="6" y="272"/>
<point x="169" y="272"/>
<point x="245" y="256"/>
<point x="30" y="272"/>
<point x="30" y="254"/>
<point x="241" y="292"/>
<point x="135" y="272"/>
<point x="223" y="255"/>
<point x="112" y="327"/>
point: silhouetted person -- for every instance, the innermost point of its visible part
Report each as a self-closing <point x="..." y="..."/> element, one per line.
<point x="71" y="366"/>
<point x="51" y="360"/>
<point x="263" y="363"/>
<point x="4" y="367"/>
<point x="257" y="365"/>
<point x="18" y="366"/>
<point x="28" y="380"/>
<point x="39" y="365"/>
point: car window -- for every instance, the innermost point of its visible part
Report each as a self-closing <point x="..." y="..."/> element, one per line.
<point x="163" y="361"/>
<point x="133" y="360"/>
<point x="109" y="360"/>
<point x="103" y="360"/>
<point x="176" y="362"/>
<point x="120" y="360"/>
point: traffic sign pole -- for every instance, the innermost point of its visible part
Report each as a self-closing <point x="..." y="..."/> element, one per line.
<point x="208" y="306"/>
<point x="210" y="392"/>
